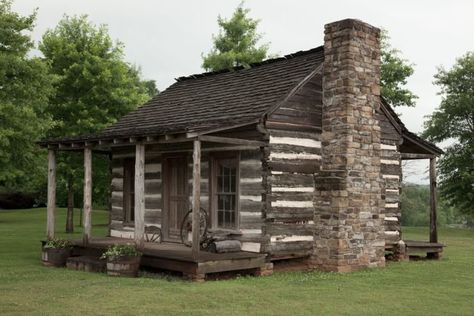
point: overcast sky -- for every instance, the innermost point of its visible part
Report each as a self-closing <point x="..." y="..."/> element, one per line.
<point x="166" y="38"/>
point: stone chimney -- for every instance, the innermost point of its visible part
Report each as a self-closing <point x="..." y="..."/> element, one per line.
<point x="349" y="231"/>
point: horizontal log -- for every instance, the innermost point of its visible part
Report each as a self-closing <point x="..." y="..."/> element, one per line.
<point x="225" y="246"/>
<point x="299" y="166"/>
<point x="296" y="214"/>
<point x="291" y="196"/>
<point x="274" y="229"/>
<point x="290" y="247"/>
<point x="292" y="126"/>
<point x="285" y="148"/>
<point x="417" y="156"/>
<point x="292" y="180"/>
<point x="247" y="205"/>
<point x="295" y="134"/>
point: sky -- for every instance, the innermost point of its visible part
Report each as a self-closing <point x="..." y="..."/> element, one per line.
<point x="167" y="38"/>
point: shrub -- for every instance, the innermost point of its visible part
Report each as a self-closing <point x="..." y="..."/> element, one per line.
<point x="57" y="243"/>
<point x="117" y="251"/>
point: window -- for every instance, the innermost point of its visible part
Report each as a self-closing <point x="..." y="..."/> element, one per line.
<point x="129" y="190"/>
<point x="225" y="192"/>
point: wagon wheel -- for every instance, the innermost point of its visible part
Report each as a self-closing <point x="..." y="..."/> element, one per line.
<point x="187" y="227"/>
<point x="153" y="234"/>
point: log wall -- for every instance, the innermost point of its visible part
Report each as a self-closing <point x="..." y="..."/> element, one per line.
<point x="390" y="165"/>
<point x="294" y="155"/>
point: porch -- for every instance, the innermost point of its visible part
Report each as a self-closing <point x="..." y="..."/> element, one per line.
<point x="175" y="257"/>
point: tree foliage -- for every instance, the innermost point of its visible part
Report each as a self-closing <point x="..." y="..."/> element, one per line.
<point x="25" y="87"/>
<point x="394" y="73"/>
<point x="415" y="208"/>
<point x="454" y="121"/>
<point x="236" y="44"/>
<point x="94" y="88"/>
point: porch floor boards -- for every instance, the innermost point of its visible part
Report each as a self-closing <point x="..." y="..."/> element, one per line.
<point x="177" y="257"/>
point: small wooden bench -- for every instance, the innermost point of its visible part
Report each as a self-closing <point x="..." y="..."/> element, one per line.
<point x="432" y="250"/>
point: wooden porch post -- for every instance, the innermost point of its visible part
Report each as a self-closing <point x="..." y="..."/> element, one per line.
<point x="51" y="193"/>
<point x="86" y="234"/>
<point x="433" y="215"/>
<point x="196" y="197"/>
<point x="140" y="195"/>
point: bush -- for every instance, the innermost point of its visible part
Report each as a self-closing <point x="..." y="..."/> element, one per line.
<point x="57" y="243"/>
<point x="16" y="200"/>
<point x="117" y="251"/>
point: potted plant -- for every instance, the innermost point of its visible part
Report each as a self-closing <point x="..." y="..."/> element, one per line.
<point x="122" y="260"/>
<point x="56" y="251"/>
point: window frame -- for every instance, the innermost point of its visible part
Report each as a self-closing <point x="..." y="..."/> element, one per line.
<point x="213" y="195"/>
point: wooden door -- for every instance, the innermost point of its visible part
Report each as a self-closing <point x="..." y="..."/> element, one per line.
<point x="176" y="200"/>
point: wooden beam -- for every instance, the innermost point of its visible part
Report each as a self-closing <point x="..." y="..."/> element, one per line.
<point x="416" y="156"/>
<point x="51" y="193"/>
<point x="140" y="195"/>
<point x="196" y="197"/>
<point x="230" y="140"/>
<point x="433" y="215"/>
<point x="87" y="225"/>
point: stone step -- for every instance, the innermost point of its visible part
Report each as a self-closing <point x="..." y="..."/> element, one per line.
<point x="86" y="263"/>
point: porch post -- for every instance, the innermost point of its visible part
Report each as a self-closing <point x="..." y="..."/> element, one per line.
<point x="433" y="215"/>
<point x="140" y="195"/>
<point x="86" y="234"/>
<point x="51" y="193"/>
<point x="196" y="202"/>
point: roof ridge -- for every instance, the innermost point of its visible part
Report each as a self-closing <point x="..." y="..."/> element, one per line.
<point x="252" y="65"/>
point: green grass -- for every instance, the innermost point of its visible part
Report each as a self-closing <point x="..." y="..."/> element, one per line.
<point x="443" y="287"/>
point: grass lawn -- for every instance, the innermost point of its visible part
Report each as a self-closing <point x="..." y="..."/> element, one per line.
<point x="443" y="287"/>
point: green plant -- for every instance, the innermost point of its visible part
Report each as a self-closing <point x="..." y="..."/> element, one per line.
<point x="117" y="251"/>
<point x="58" y="243"/>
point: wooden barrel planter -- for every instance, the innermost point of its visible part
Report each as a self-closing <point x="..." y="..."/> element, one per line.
<point x="55" y="257"/>
<point x="126" y="266"/>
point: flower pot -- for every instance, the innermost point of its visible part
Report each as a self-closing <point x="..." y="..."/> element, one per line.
<point x="55" y="257"/>
<point x="123" y="266"/>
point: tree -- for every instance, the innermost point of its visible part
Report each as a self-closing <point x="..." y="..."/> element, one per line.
<point x="236" y="43"/>
<point x="25" y="87"/>
<point x="454" y="121"/>
<point x="95" y="87"/>
<point x="394" y="73"/>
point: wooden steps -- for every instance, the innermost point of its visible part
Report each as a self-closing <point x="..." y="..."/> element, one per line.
<point x="86" y="263"/>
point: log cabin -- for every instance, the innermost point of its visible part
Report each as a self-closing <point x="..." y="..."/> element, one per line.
<point x="297" y="158"/>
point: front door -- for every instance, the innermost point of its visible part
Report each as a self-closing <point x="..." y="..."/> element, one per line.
<point x="175" y="195"/>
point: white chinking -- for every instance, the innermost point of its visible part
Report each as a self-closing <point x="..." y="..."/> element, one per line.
<point x="304" y="142"/>
<point x="388" y="147"/>
<point x="304" y="156"/>
<point x="389" y="162"/>
<point x="292" y="189"/>
<point x="296" y="204"/>
<point x="277" y="239"/>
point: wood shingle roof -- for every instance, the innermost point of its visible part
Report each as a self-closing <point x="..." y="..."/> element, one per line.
<point x="217" y="99"/>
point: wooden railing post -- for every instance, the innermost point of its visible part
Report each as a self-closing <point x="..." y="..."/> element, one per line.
<point x="140" y="195"/>
<point x="87" y="225"/>
<point x="51" y="194"/>
<point x="433" y="215"/>
<point x="196" y="202"/>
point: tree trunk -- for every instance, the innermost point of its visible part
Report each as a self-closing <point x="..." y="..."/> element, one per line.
<point x="70" y="207"/>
